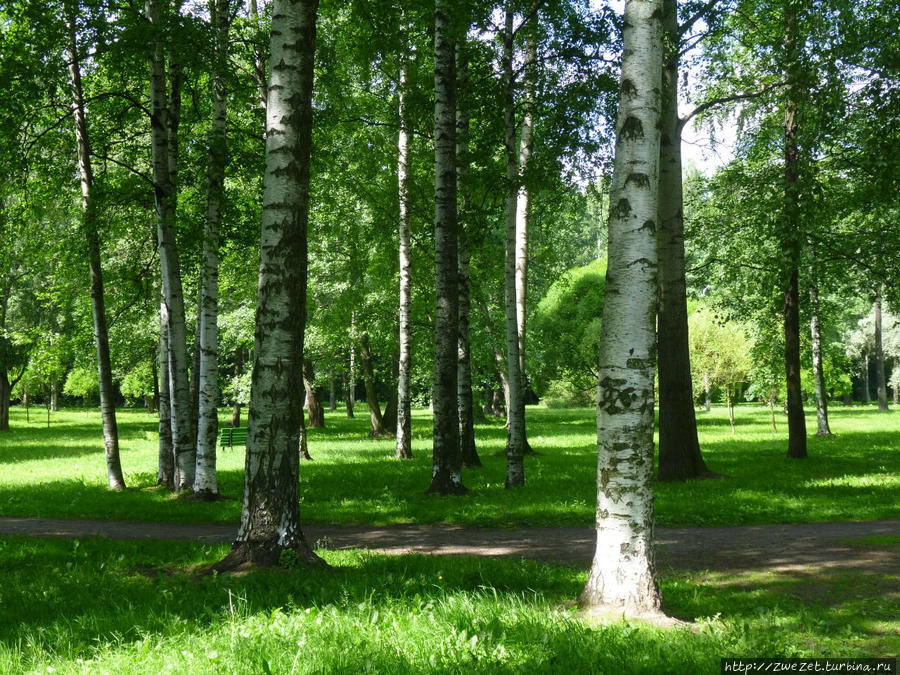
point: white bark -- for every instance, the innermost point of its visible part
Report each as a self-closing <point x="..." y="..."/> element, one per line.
<point x="404" y="447"/>
<point x="515" y="410"/>
<point x="166" y="472"/>
<point x="205" y="482"/>
<point x="623" y="576"/>
<point x="182" y="436"/>
<point x="270" y="511"/>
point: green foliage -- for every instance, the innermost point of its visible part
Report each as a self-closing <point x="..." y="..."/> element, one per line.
<point x="565" y="332"/>
<point x="720" y="351"/>
<point x="82" y="382"/>
<point x="139" y="381"/>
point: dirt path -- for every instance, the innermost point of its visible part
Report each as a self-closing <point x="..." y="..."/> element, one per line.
<point x="776" y="548"/>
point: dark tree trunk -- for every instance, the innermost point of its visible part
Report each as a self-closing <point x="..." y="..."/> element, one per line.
<point x="465" y="399"/>
<point x="365" y="357"/>
<point x="348" y="402"/>
<point x="679" y="448"/>
<point x="5" y="391"/>
<point x="304" y="445"/>
<point x="316" y="411"/>
<point x="792" y="237"/>
<point x="446" y="473"/>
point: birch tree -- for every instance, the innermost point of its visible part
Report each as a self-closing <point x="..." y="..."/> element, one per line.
<point x="89" y="224"/>
<point x="270" y="509"/>
<point x="622" y="579"/>
<point x="446" y="470"/>
<point x="205" y="483"/>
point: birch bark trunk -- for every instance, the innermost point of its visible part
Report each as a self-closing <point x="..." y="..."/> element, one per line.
<point x="98" y="307"/>
<point x="880" y="380"/>
<point x="163" y="162"/>
<point x="464" y="396"/>
<point x="680" y="457"/>
<point x="166" y="471"/>
<point x="205" y="482"/>
<point x="404" y="404"/>
<point x="270" y="520"/>
<point x="515" y="438"/>
<point x="446" y="472"/>
<point x="623" y="574"/>
<point x="822" y="428"/>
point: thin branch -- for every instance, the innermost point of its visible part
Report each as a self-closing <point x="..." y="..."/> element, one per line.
<point x="727" y="99"/>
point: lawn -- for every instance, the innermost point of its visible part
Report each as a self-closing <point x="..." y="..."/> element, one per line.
<point x="101" y="606"/>
<point x="60" y="472"/>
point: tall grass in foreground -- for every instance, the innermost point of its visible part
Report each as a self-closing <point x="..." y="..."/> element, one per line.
<point x="59" y="471"/>
<point x="125" y="607"/>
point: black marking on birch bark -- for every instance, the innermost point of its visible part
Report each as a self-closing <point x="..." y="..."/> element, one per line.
<point x="612" y="399"/>
<point x="641" y="261"/>
<point x="622" y="209"/>
<point x="628" y="89"/>
<point x="638" y="179"/>
<point x="648" y="225"/>
<point x="632" y="128"/>
<point x="640" y="364"/>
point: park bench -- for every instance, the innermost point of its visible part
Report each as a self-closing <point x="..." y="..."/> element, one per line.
<point x="231" y="436"/>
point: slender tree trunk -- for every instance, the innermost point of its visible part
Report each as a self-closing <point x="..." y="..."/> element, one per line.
<point x="772" y="410"/>
<point x="730" y="408"/>
<point x="623" y="574"/>
<point x="54" y="397"/>
<point x="896" y="388"/>
<point x="464" y="396"/>
<point x="270" y="522"/>
<point x="679" y="448"/>
<point x="304" y="445"/>
<point x="348" y="399"/>
<point x="352" y="364"/>
<point x="157" y="11"/>
<point x="389" y="418"/>
<point x="446" y="472"/>
<point x="818" y="366"/>
<point x="881" y="380"/>
<point x="332" y="391"/>
<point x="166" y="473"/>
<point x="5" y="390"/>
<point x="316" y="411"/>
<point x="404" y="401"/>
<point x="365" y="357"/>
<point x="89" y="222"/>
<point x="707" y="396"/>
<point x="515" y="410"/>
<point x="523" y="211"/>
<point x="205" y="483"/>
<point x="792" y="239"/>
<point x="867" y="391"/>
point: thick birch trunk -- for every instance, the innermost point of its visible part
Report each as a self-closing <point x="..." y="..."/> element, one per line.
<point x="515" y="410"/>
<point x="822" y="428"/>
<point x="89" y="223"/>
<point x="404" y="401"/>
<point x="623" y="574"/>
<point x="365" y="357"/>
<point x="679" y="448"/>
<point x="270" y="522"/>
<point x="880" y="380"/>
<point x="205" y="483"/>
<point x="791" y="240"/>
<point x="464" y="396"/>
<point x="163" y="163"/>
<point x="166" y="472"/>
<point x="446" y="473"/>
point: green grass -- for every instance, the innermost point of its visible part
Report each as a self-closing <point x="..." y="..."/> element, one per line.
<point x="127" y="607"/>
<point x="60" y="472"/>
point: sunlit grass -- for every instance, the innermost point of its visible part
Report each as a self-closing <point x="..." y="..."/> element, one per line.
<point x="855" y="475"/>
<point x="127" y="607"/>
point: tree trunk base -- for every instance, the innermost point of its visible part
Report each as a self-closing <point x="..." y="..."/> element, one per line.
<point x="446" y="483"/>
<point x="613" y="613"/>
<point x="824" y="433"/>
<point x="206" y="496"/>
<point x="246" y="556"/>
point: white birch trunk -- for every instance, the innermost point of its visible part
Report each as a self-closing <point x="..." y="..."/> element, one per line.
<point x="98" y="306"/>
<point x="623" y="575"/>
<point x="205" y="483"/>
<point x="166" y="472"/>
<point x="404" y="412"/>
<point x="270" y="520"/>
<point x="515" y="439"/>
<point x="822" y="428"/>
<point x="182" y="435"/>
<point x="880" y="380"/>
